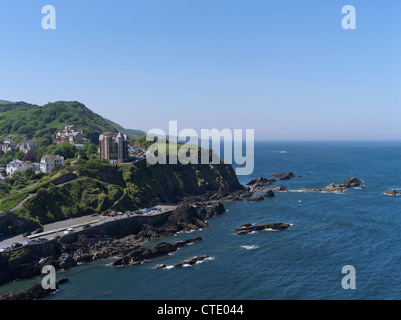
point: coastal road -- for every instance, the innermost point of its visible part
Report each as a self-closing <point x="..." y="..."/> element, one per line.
<point x="55" y="229"/>
<point x="58" y="228"/>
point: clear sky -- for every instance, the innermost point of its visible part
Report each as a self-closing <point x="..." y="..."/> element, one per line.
<point x="284" y="68"/>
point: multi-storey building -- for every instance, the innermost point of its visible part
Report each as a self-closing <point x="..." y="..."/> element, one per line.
<point x="113" y="147"/>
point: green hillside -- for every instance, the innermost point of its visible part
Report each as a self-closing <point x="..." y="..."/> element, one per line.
<point x="26" y="120"/>
<point x="131" y="133"/>
<point x="4" y="102"/>
<point x="101" y="186"/>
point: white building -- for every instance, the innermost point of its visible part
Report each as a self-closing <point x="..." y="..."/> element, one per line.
<point x="20" y="166"/>
<point x="13" y="166"/>
<point x="48" y="163"/>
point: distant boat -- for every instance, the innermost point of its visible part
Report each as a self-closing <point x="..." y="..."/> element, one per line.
<point x="283" y="151"/>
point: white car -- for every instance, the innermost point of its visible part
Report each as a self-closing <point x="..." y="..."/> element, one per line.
<point x="5" y="249"/>
<point x="69" y="231"/>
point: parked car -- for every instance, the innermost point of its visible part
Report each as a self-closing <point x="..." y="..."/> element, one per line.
<point x="5" y="249"/>
<point x="39" y="230"/>
<point x="27" y="234"/>
<point x="16" y="245"/>
<point x="86" y="226"/>
<point x="42" y="239"/>
<point x="110" y="214"/>
<point x="30" y="242"/>
<point x="69" y="231"/>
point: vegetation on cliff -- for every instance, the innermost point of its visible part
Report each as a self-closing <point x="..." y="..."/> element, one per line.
<point x="97" y="186"/>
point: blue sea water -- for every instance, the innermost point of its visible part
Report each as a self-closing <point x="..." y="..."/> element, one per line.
<point x="360" y="227"/>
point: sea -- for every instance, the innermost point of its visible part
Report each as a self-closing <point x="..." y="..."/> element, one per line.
<point x="360" y="227"/>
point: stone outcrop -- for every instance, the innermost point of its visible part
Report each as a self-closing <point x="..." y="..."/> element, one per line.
<point x="347" y="184"/>
<point x="248" y="228"/>
<point x="269" y="194"/>
<point x="256" y="199"/>
<point x="284" y="176"/>
<point x="279" y="189"/>
<point x="191" y="261"/>
<point x="393" y="193"/>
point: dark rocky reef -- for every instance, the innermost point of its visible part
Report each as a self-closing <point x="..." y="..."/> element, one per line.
<point x="191" y="261"/>
<point x="347" y="184"/>
<point x="248" y="228"/>
<point x="187" y="262"/>
<point x="141" y="255"/>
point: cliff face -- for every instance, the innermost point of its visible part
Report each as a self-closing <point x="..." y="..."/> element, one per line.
<point x="11" y="224"/>
<point x="127" y="187"/>
<point x="150" y="184"/>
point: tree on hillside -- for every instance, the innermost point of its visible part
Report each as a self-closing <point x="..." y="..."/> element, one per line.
<point x="10" y="155"/>
<point x="64" y="149"/>
<point x="45" y="140"/>
<point x="30" y="156"/>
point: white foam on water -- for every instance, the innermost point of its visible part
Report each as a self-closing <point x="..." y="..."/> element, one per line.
<point x="253" y="247"/>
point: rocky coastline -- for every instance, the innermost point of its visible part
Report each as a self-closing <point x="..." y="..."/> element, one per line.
<point x="28" y="262"/>
<point x="190" y="215"/>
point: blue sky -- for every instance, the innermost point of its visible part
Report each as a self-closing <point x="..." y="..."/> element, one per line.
<point x="284" y="68"/>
